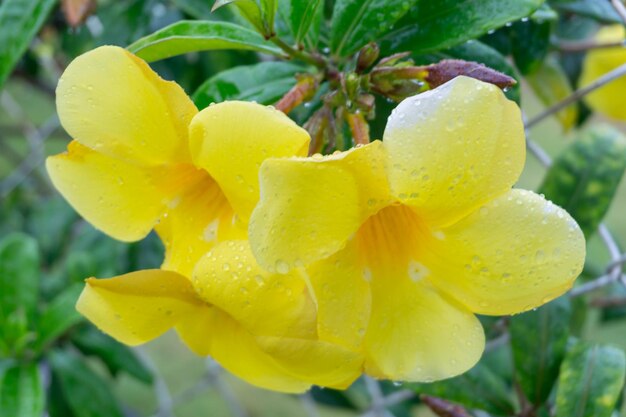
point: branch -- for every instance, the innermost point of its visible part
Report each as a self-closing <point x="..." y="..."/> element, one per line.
<point x="577" y="95"/>
<point x="620" y="9"/>
<point x="581" y="46"/>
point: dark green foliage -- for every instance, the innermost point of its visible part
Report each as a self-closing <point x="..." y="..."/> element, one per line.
<point x="264" y="83"/>
<point x="20" y="20"/>
<point x="539" y="340"/>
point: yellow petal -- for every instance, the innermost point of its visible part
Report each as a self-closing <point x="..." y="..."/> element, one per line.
<point x="609" y="99"/>
<point x="342" y="294"/>
<point x="319" y="362"/>
<point x="231" y="140"/>
<point x="137" y="307"/>
<point x="112" y="102"/>
<point x="195" y="221"/>
<point x="197" y="329"/>
<point x="309" y="207"/>
<point x="264" y="303"/>
<point x="454" y="148"/>
<point x="513" y="254"/>
<point x="116" y="197"/>
<point x="415" y="334"/>
<point x="237" y="350"/>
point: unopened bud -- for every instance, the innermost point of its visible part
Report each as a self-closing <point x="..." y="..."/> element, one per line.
<point x="367" y="56"/>
<point x="445" y="70"/>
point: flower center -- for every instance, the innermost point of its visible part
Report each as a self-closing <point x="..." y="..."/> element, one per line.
<point x="390" y="242"/>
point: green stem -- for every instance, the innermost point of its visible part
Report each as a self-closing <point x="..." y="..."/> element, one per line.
<point x="301" y="55"/>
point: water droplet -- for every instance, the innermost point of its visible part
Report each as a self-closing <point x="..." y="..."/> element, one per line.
<point x="539" y="256"/>
<point x="282" y="267"/>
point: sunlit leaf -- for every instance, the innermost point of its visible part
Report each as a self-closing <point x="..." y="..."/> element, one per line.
<point x="550" y="84"/>
<point x="591" y="380"/>
<point x="584" y="179"/>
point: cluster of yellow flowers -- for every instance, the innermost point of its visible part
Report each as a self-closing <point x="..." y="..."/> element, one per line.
<point x="292" y="270"/>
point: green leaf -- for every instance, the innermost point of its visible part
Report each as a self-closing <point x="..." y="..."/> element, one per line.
<point x="21" y="392"/>
<point x="50" y="223"/>
<point x="478" y="388"/>
<point x="433" y="25"/>
<point x="551" y="85"/>
<point x="115" y="356"/>
<point x="20" y="20"/>
<point x="269" y="7"/>
<point x="584" y="178"/>
<point x="539" y="341"/>
<point x="301" y="15"/>
<point x="591" y="380"/>
<point x="264" y="83"/>
<point x="86" y="393"/>
<point x="193" y="36"/>
<point x="60" y="315"/>
<point x="599" y="10"/>
<point x="530" y="41"/>
<point x="356" y="22"/>
<point x="249" y="9"/>
<point x="19" y="275"/>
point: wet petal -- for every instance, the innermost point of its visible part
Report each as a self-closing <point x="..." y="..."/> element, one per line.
<point x="237" y="350"/>
<point x="195" y="221"/>
<point x="231" y="140"/>
<point x="112" y="102"/>
<point x="342" y="293"/>
<point x="513" y="254"/>
<point x="309" y="207"/>
<point x="609" y="99"/>
<point x="116" y="197"/>
<point x="319" y="362"/>
<point x="454" y="148"/>
<point x="264" y="303"/>
<point x="138" y="307"/>
<point x="417" y="335"/>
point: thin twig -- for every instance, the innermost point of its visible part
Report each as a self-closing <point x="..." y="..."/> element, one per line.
<point x="376" y="393"/>
<point x="501" y="340"/>
<point x="35" y="138"/>
<point x="620" y="9"/>
<point x="309" y="405"/>
<point x="600" y="282"/>
<point x="215" y="371"/>
<point x="165" y="403"/>
<point x="586" y="45"/>
<point x="577" y="95"/>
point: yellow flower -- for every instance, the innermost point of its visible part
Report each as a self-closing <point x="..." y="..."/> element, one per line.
<point x="610" y="99"/>
<point x="143" y="157"/>
<point x="405" y="240"/>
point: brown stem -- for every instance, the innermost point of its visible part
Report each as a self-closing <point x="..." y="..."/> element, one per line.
<point x="359" y="127"/>
<point x="303" y="90"/>
<point x="443" y="408"/>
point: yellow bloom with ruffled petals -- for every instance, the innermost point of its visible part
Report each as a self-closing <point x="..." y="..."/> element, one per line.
<point x="405" y="240"/>
<point x="143" y="157"/>
<point x="609" y="99"/>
